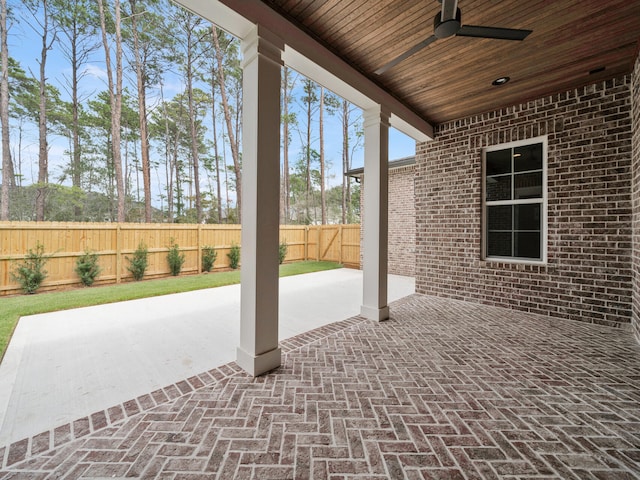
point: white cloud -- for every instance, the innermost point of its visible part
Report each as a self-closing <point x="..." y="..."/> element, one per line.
<point x="95" y="71"/>
<point x="170" y="87"/>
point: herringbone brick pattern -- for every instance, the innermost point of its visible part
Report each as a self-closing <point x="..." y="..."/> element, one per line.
<point x="443" y="390"/>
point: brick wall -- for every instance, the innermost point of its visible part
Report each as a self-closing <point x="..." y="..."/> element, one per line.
<point x="588" y="273"/>
<point x="635" y="102"/>
<point x="402" y="221"/>
<point x="401" y="257"/>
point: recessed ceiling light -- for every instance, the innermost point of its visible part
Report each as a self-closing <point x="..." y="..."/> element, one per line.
<point x="500" y="81"/>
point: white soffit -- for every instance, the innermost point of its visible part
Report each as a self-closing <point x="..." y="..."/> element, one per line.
<point x="308" y="57"/>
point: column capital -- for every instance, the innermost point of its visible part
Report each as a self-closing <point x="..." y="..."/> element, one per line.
<point x="263" y="42"/>
<point x="376" y="115"/>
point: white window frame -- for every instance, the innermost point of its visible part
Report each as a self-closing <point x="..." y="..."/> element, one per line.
<point x="544" y="227"/>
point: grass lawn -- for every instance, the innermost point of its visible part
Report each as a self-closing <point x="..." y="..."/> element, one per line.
<point x="12" y="308"/>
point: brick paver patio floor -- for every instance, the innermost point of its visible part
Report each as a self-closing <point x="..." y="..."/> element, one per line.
<point x="443" y="390"/>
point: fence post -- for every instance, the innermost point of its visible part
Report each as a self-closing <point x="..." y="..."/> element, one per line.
<point x="199" y="246"/>
<point x="319" y="241"/>
<point x="340" y="244"/>
<point x="306" y="243"/>
<point x="118" y="254"/>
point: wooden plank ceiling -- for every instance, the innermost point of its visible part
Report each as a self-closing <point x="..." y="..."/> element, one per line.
<point x="451" y="78"/>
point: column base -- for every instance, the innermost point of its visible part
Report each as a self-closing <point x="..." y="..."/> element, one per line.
<point x="257" y="365"/>
<point x="375" y="314"/>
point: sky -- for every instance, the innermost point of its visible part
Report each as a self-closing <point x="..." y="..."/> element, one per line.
<point x="24" y="46"/>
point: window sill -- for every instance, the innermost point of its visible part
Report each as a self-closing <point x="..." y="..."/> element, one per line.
<point x="515" y="261"/>
<point x="513" y="267"/>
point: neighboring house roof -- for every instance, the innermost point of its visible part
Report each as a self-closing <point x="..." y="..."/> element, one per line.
<point x="393" y="164"/>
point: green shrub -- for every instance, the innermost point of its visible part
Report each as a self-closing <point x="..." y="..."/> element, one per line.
<point x="234" y="256"/>
<point x="282" y="251"/>
<point x="175" y="258"/>
<point x="87" y="267"/>
<point x="209" y="255"/>
<point x="31" y="273"/>
<point x="138" y="264"/>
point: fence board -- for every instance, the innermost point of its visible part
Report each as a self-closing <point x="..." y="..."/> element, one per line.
<point x="115" y="242"/>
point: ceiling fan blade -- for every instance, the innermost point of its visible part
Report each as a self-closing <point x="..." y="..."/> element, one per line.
<point x="405" y="55"/>
<point x="449" y="8"/>
<point x="493" y="32"/>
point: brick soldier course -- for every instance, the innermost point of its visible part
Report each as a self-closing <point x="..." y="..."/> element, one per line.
<point x="444" y="389"/>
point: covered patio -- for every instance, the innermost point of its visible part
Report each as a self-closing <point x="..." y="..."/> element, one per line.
<point x="443" y="390"/>
<point x="573" y="100"/>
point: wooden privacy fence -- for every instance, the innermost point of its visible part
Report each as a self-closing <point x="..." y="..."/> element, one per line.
<point x="115" y="242"/>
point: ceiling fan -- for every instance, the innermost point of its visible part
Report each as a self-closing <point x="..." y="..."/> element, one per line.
<point x="447" y="23"/>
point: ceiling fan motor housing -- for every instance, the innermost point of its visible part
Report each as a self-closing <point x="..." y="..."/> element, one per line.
<point x="447" y="28"/>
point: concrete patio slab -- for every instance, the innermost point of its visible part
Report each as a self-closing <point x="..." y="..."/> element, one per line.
<point x="66" y="365"/>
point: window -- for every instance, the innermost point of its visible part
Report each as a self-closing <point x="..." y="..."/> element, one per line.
<point x="514" y="210"/>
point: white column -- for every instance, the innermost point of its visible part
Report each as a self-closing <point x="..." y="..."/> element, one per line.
<point x="376" y="213"/>
<point x="258" y="351"/>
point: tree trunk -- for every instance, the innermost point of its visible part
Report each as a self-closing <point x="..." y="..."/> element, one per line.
<point x="43" y="150"/>
<point x="113" y="202"/>
<point x="178" y="185"/>
<point x="142" y="114"/>
<point x="226" y="183"/>
<point x="18" y="175"/>
<point x="308" y="156"/>
<point x="323" y="197"/>
<point x="115" y="96"/>
<point x="4" y="114"/>
<point x="194" y="133"/>
<point x="179" y="202"/>
<point x="227" y="116"/>
<point x="285" y="146"/>
<point x="168" y="165"/>
<point x="346" y="183"/>
<point x="215" y="140"/>
<point x="116" y="118"/>
<point x="76" y="168"/>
